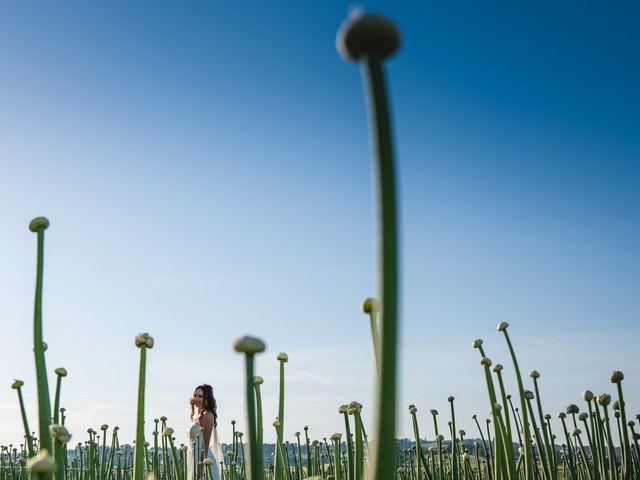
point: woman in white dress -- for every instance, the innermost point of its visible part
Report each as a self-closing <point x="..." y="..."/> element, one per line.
<point x="203" y="435"/>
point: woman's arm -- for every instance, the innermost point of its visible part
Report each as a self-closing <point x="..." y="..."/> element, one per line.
<point x="206" y="422"/>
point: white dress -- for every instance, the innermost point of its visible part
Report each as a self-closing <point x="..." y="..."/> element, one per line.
<point x="195" y="436"/>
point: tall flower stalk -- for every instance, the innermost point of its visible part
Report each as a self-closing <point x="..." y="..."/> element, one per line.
<point x="143" y="341"/>
<point x="369" y="39"/>
<point x="39" y="225"/>
<point x="250" y="346"/>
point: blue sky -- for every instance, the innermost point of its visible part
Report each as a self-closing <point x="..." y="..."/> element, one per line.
<point x="206" y="170"/>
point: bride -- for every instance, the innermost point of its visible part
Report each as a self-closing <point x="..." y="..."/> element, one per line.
<point x="203" y="435"/>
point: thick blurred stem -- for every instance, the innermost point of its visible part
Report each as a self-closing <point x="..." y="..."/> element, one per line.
<point x="44" y="402"/>
<point x="255" y="472"/>
<point x="384" y="456"/>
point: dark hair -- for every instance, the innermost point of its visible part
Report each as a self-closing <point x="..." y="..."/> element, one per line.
<point x="208" y="402"/>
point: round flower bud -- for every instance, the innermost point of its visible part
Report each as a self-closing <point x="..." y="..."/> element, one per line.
<point x="631" y="423"/>
<point x="485" y="362"/>
<point x="451" y="399"/>
<point x="276" y="423"/>
<point x="371" y="305"/>
<point x="233" y="422"/>
<point x="365" y="34"/>
<point x="61" y="372"/>
<point x="528" y="394"/>
<point x="616" y="405"/>
<point x="477" y="343"/>
<point x="583" y="416"/>
<point x="498" y="407"/>
<point x="616" y="413"/>
<point x="239" y="434"/>
<point x="604" y="399"/>
<point x="572" y="409"/>
<point x="297" y="434"/>
<point x="249" y="345"/>
<point x="547" y="416"/>
<point x="434" y="412"/>
<point x="143" y="339"/>
<point x="617" y="376"/>
<point x="411" y="406"/>
<point x="230" y="454"/>
<point x="575" y="432"/>
<point x="462" y="432"/>
<point x="497" y="368"/>
<point x="413" y="411"/>
<point x="343" y="409"/>
<point x="168" y="432"/>
<point x="258" y="380"/>
<point x="42" y="463"/>
<point x="440" y="437"/>
<point x="562" y="415"/>
<point x="163" y="418"/>
<point x="587" y="395"/>
<point x="60" y="433"/>
<point x="207" y="461"/>
<point x="283" y="357"/>
<point x="104" y="426"/>
<point x="336" y="437"/>
<point x="38" y="223"/>
<point x="17" y="384"/>
<point x="534" y="374"/>
<point x="502" y="326"/>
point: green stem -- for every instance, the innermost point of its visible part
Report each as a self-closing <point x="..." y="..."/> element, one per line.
<point x="44" y="402"/>
<point x="255" y="472"/>
<point x="384" y="458"/>
<point x="139" y="460"/>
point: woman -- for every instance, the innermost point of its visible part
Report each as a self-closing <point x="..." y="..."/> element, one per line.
<point x="203" y="435"/>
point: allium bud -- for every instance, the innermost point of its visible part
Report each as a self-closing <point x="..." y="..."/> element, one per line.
<point x="575" y="432"/>
<point x="477" y="343"/>
<point x="451" y="399"/>
<point x="528" y="394"/>
<point x="604" y="399"/>
<point x="562" y="415"/>
<point x="38" y="223"/>
<point x="371" y="305"/>
<point x="572" y="409"/>
<point x="61" y="372"/>
<point x="497" y="368"/>
<point x="413" y="411"/>
<point x="587" y="395"/>
<point x="336" y="437"/>
<point x="502" y="326"/>
<point x="617" y="376"/>
<point x="60" y="433"/>
<point x="42" y="463"/>
<point x="168" y="432"/>
<point x="343" y="409"/>
<point x="207" y="461"/>
<point x="144" y="339"/>
<point x="434" y="412"/>
<point x="283" y="357"/>
<point x="17" y="384"/>
<point x="485" y="362"/>
<point x="583" y="416"/>
<point x="249" y="345"/>
<point x="534" y="374"/>
<point x="258" y="380"/>
<point x="365" y="34"/>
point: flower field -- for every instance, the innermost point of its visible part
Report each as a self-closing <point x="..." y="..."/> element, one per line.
<point x="516" y="441"/>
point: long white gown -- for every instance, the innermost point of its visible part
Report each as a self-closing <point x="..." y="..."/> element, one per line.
<point x="195" y="439"/>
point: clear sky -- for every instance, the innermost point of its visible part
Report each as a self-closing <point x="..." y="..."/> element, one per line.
<point x="206" y="170"/>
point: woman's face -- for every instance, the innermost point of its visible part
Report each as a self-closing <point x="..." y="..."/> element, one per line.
<point x="198" y="397"/>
